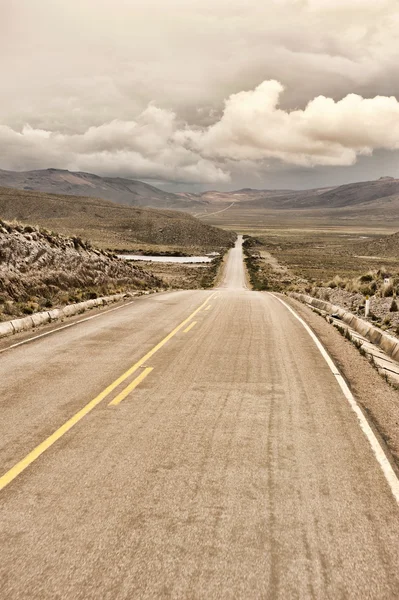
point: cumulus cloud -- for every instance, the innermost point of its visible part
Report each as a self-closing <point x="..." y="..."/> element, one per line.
<point x="144" y="148"/>
<point x="252" y="128"/>
<point x="326" y="132"/>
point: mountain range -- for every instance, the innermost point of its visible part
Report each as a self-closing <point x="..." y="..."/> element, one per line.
<point x="117" y="189"/>
<point x="341" y="196"/>
<point x="136" y="193"/>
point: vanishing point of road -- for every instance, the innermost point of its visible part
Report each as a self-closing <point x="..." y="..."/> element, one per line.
<point x="191" y="445"/>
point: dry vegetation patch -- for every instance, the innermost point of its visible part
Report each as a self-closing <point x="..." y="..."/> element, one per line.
<point x="338" y="266"/>
<point x="186" y="276"/>
<point x="40" y="269"/>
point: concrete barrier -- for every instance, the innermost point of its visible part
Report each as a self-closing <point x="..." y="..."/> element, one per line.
<point x="395" y="353"/>
<point x="54" y="314"/>
<point x="40" y="318"/>
<point x="387" y="343"/>
<point x="24" y="324"/>
<point x="73" y="309"/>
<point x="6" y="328"/>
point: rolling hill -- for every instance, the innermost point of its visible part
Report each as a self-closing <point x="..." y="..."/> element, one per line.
<point x="110" y="225"/>
<point x="364" y="204"/>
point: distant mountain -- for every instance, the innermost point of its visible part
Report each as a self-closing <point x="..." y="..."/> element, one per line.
<point x="343" y="196"/>
<point x="117" y="189"/>
<point x="136" y="193"/>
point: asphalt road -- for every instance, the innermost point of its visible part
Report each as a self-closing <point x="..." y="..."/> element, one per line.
<point x="156" y="453"/>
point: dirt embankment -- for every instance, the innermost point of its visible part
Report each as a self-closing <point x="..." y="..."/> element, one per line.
<point x="40" y="269"/>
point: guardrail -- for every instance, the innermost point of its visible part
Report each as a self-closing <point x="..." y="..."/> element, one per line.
<point x="388" y="343"/>
<point x="41" y="318"/>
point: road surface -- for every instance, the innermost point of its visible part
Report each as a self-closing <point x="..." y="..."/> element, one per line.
<point x="214" y="213"/>
<point x="190" y="445"/>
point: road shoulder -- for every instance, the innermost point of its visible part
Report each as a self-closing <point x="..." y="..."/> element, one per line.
<point x="378" y="399"/>
<point x="42" y="330"/>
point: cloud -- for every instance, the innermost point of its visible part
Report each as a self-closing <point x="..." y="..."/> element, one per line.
<point x="145" y="84"/>
<point x="82" y="64"/>
<point x="144" y="148"/>
<point x="251" y="129"/>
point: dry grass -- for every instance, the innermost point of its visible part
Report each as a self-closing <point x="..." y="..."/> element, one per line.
<point x="40" y="269"/>
<point x="320" y="255"/>
<point x="330" y="266"/>
<point x="185" y="276"/>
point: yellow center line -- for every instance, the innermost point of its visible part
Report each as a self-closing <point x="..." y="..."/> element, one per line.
<point x="208" y="307"/>
<point x="193" y="324"/>
<point x="17" y="469"/>
<point x="118" y="399"/>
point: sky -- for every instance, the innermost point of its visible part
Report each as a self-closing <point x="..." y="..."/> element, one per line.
<point x="202" y="94"/>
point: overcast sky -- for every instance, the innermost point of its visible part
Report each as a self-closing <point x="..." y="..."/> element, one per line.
<point x="199" y="94"/>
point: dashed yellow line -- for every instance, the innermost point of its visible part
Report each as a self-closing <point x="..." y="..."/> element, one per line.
<point x="118" y="399"/>
<point x="17" y="469"/>
<point x="193" y="324"/>
<point x="208" y="307"/>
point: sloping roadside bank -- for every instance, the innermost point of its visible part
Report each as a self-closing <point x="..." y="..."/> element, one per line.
<point x="42" y="271"/>
<point x="30" y="322"/>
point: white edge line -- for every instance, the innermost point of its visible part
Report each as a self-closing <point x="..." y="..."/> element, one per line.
<point x="41" y="335"/>
<point x="379" y="453"/>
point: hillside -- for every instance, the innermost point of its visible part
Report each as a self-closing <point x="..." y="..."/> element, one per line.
<point x="384" y="247"/>
<point x="117" y="189"/>
<point x="353" y="194"/>
<point x="111" y="225"/>
<point x="39" y="269"/>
